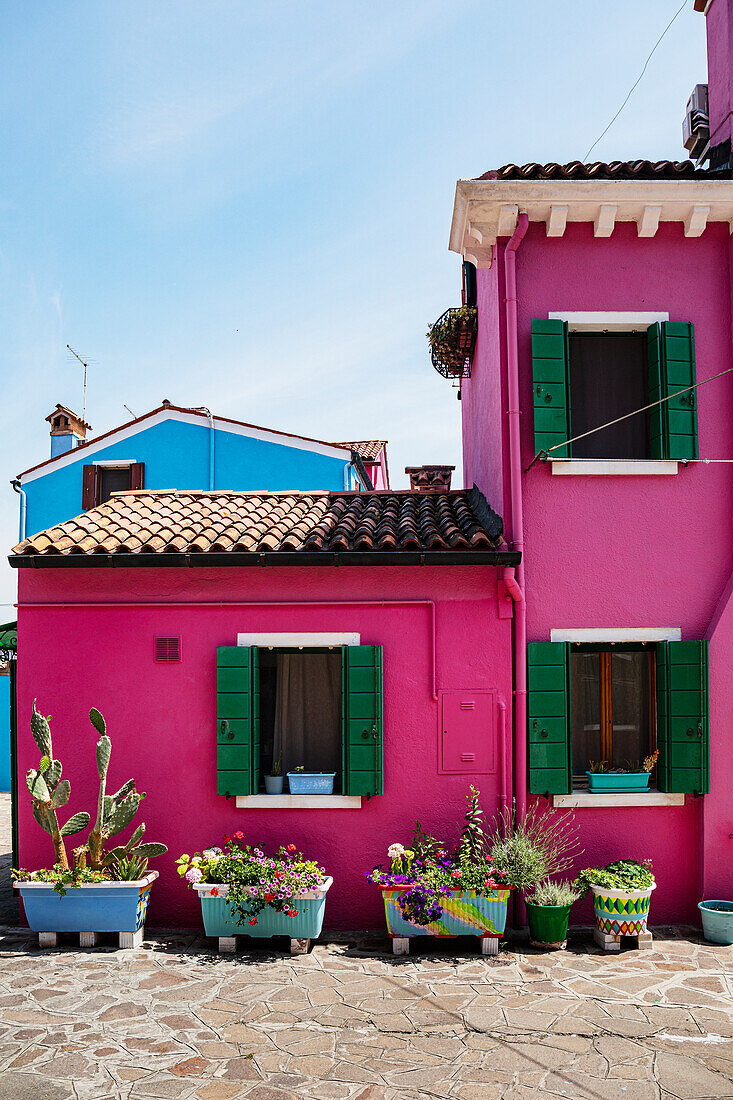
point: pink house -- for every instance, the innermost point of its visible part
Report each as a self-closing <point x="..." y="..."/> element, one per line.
<point x="600" y="290"/>
<point x="189" y="619"/>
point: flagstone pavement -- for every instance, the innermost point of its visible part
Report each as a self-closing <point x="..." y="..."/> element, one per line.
<point x="349" y="1020"/>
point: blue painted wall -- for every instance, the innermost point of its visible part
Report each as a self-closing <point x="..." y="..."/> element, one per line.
<point x="176" y="456"/>
<point x="4" y="733"/>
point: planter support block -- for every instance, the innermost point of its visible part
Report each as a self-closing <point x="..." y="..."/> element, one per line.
<point x="400" y="945"/>
<point x="87" y="939"/>
<point x="299" y="947"/>
<point x="47" y="939"/>
<point x="489" y="945"/>
<point x="227" y="945"/>
<point x="131" y="939"/>
<point x="610" y="942"/>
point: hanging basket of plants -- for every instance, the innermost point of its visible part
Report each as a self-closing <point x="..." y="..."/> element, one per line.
<point x="452" y="339"/>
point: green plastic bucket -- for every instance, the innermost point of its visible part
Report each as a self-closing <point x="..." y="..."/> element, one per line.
<point x="548" y="924"/>
<point x="717" y="920"/>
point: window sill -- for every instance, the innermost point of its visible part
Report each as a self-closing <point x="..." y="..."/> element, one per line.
<point x="613" y="467"/>
<point x="578" y="799"/>
<point x="298" y="801"/>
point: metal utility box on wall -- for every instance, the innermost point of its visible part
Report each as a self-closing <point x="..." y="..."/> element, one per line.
<point x="467" y="732"/>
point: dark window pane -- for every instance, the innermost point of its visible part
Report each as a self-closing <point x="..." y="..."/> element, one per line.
<point x="608" y="378"/>
<point x="631" y="708"/>
<point x="111" y="480"/>
<point x="585" y="709"/>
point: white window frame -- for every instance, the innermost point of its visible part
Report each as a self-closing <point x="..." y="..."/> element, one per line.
<point x="580" y="799"/>
<point x="310" y="640"/>
<point x="611" y="321"/>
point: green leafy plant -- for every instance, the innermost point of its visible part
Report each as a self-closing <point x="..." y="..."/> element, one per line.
<point x="127" y="868"/>
<point x="532" y="848"/>
<point x="452" y="337"/>
<point x="300" y="768"/>
<point x="472" y="845"/>
<point x="598" y="767"/>
<point x="63" y="878"/>
<point x="423" y="844"/>
<point x="553" y="893"/>
<point x="277" y="766"/>
<point x="622" y="874"/>
<point x="49" y="792"/>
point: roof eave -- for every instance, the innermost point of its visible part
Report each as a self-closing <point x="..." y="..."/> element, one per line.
<point x="275" y="558"/>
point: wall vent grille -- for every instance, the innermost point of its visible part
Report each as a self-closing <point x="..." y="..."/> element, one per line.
<point x="168" y="649"/>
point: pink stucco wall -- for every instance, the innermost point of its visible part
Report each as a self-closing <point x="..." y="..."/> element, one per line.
<point x="161" y="718"/>
<point x="627" y="551"/>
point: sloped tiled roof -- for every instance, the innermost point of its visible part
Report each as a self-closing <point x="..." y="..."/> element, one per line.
<point x="369" y="449"/>
<point x="599" y="170"/>
<point x="156" y="527"/>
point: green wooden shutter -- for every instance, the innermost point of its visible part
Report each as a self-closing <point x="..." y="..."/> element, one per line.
<point x="550" y="389"/>
<point x="548" y="709"/>
<point x="362" y="720"/>
<point x="237" y="720"/>
<point x="671" y="360"/>
<point x="683" y="733"/>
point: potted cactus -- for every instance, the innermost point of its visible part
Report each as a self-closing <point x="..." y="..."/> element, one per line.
<point x="99" y="890"/>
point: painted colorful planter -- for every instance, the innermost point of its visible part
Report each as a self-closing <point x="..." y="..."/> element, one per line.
<point x="617" y="782"/>
<point x="219" y="921"/>
<point x="717" y="920"/>
<point x="621" y="912"/>
<point x="90" y="908"/>
<point x="465" y="913"/>
<point x="311" y="782"/>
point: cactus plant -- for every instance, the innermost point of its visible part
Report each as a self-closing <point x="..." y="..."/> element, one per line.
<point x="49" y="792"/>
<point x="114" y="813"/>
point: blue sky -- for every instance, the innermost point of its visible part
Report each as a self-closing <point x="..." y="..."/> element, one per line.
<point x="247" y="206"/>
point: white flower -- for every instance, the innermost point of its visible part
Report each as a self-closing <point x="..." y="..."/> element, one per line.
<point x="395" y="851"/>
<point x="208" y="853"/>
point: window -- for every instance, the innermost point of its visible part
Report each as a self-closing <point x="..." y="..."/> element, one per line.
<point x="583" y="380"/>
<point x="618" y="703"/>
<point x="99" y="482"/>
<point x="612" y="706"/>
<point x="320" y="707"/>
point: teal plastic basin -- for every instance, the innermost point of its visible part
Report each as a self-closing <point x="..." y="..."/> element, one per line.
<point x="717" y="923"/>
<point x="617" y="782"/>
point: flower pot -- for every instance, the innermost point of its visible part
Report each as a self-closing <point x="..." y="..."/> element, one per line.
<point x="92" y="907"/>
<point x="621" y="912"/>
<point x="274" y="784"/>
<point x="717" y="920"/>
<point x="311" y="782"/>
<point x="465" y="913"/>
<point x="617" y="782"/>
<point x="220" y="921"/>
<point x="548" y="924"/>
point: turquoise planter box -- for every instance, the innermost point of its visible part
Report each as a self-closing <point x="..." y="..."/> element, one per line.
<point x="94" y="907"/>
<point x="465" y="913"/>
<point x="717" y="924"/>
<point x="218" y="919"/>
<point x="617" y="782"/>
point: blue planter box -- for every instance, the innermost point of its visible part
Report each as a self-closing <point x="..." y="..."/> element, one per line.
<point x="219" y="921"/>
<point x="617" y="782"/>
<point x="93" y="907"/>
<point x="311" y="782"/>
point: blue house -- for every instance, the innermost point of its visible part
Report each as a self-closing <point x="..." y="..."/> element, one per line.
<point x="182" y="448"/>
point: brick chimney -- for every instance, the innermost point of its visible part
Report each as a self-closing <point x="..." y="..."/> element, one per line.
<point x="430" y="479"/>
<point x="719" y="20"/>
<point x="67" y="430"/>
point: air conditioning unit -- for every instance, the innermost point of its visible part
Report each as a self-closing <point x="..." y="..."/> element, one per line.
<point x="696" y="126"/>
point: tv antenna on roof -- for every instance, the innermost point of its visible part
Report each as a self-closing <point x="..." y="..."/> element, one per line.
<point x="84" y="397"/>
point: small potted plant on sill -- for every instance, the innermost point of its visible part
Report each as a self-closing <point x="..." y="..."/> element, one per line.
<point x="622" y="893"/>
<point x="274" y="781"/>
<point x="302" y="782"/>
<point x="548" y="913"/>
<point x="601" y="779"/>
<point x="244" y="892"/>
<point x="100" y="891"/>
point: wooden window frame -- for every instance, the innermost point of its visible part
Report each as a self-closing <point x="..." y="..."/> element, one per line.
<point x="92" y="481"/>
<point x="605" y="654"/>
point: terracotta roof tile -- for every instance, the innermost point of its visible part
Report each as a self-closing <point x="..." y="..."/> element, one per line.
<point x="599" y="170"/>
<point x="145" y="522"/>
<point x="369" y="449"/>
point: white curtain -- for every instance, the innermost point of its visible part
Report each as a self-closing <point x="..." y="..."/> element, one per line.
<point x="308" y="711"/>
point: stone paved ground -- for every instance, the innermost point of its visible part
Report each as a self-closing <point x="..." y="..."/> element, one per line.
<point x="351" y="1021"/>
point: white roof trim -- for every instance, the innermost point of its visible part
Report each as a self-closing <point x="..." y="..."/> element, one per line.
<point x="301" y="641"/>
<point x="128" y="432"/>
<point x="614" y="634"/>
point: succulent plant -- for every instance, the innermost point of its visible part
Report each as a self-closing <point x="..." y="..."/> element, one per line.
<point x="49" y="792"/>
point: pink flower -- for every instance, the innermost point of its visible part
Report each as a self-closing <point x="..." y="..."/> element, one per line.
<point x="239" y="835"/>
<point x="194" y="875"/>
<point x="215" y="891"/>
